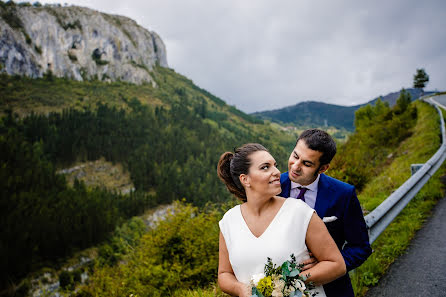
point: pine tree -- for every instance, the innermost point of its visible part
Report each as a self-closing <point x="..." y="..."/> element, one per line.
<point x="420" y="80"/>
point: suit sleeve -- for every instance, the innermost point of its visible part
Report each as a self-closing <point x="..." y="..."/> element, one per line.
<point x="357" y="247"/>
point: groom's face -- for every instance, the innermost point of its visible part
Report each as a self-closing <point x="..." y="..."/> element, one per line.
<point x="304" y="165"/>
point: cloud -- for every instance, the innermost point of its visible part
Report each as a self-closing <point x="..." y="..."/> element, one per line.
<point x="259" y="54"/>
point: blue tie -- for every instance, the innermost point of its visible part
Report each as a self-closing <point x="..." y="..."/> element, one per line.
<point x="302" y="193"/>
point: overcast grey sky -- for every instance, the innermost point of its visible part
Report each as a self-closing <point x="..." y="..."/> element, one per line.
<point x="262" y="54"/>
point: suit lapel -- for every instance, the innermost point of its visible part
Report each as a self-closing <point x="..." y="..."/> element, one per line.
<point x="285" y="183"/>
<point x="323" y="196"/>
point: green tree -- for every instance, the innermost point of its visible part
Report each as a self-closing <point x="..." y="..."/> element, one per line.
<point x="403" y="101"/>
<point x="368" y="115"/>
<point x="420" y="79"/>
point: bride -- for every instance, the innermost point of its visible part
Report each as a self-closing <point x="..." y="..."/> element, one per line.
<point x="266" y="225"/>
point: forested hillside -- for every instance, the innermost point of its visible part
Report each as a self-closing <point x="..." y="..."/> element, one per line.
<point x="169" y="139"/>
<point x="320" y="114"/>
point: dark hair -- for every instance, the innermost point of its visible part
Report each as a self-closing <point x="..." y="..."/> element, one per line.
<point x="231" y="165"/>
<point x="321" y="141"/>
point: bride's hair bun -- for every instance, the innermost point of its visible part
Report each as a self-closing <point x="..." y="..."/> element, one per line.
<point x="232" y="165"/>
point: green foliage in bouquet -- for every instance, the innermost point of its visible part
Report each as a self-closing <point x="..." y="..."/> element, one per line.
<point x="282" y="281"/>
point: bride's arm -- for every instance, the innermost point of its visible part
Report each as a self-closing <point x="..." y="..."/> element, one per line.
<point x="226" y="278"/>
<point x="331" y="265"/>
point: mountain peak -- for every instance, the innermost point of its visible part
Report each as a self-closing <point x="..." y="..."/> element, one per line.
<point x="77" y="43"/>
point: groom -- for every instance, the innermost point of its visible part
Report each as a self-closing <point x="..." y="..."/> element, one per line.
<point x="334" y="201"/>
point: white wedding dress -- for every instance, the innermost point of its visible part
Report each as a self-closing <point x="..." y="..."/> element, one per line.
<point x="284" y="236"/>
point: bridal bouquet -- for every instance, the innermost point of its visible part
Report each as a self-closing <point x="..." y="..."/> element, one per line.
<point x="281" y="281"/>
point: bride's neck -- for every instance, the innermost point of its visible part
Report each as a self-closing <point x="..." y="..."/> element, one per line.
<point x="258" y="206"/>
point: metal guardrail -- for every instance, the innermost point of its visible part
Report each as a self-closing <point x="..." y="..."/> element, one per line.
<point x="378" y="220"/>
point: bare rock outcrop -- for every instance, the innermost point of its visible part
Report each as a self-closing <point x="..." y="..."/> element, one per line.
<point x="77" y="43"/>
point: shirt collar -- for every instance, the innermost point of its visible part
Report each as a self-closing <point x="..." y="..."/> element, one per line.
<point x="310" y="187"/>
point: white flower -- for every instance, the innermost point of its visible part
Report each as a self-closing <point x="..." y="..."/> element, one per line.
<point x="256" y="278"/>
<point x="277" y="293"/>
<point x="287" y="291"/>
<point x="279" y="284"/>
<point x="300" y="285"/>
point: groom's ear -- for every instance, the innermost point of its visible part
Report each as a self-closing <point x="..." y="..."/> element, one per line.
<point x="323" y="168"/>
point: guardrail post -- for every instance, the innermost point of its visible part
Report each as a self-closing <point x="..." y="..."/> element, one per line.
<point x="414" y="168"/>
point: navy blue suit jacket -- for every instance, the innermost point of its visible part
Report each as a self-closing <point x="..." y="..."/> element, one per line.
<point x="349" y="231"/>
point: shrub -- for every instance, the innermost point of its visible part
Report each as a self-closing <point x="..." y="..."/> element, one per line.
<point x="65" y="279"/>
<point x="96" y="56"/>
<point x="379" y="130"/>
<point x="68" y="279"/>
<point x="181" y="253"/>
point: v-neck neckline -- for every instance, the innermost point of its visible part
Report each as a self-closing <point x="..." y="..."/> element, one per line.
<point x="269" y="225"/>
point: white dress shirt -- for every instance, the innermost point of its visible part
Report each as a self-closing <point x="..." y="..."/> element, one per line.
<point x="310" y="194"/>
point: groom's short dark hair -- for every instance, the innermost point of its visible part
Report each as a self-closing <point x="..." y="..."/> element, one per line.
<point x="321" y="141"/>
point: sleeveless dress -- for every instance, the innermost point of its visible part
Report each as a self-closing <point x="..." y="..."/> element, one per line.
<point x="284" y="236"/>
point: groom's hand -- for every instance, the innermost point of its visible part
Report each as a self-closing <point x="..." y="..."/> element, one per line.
<point x="309" y="262"/>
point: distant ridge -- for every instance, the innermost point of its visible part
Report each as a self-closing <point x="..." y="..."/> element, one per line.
<point x="319" y="114"/>
<point x="311" y="113"/>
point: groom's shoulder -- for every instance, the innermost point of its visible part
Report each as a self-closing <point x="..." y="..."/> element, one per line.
<point x="284" y="177"/>
<point x="336" y="183"/>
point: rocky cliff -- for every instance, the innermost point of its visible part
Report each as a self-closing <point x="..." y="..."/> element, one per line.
<point x="77" y="43"/>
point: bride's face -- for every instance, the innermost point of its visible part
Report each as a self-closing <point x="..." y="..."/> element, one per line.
<point x="263" y="176"/>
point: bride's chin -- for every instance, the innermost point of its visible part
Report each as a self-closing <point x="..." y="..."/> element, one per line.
<point x="278" y="192"/>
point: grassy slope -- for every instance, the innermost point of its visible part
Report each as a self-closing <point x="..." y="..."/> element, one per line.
<point x="418" y="148"/>
<point x="101" y="173"/>
<point x="392" y="243"/>
<point x="24" y="94"/>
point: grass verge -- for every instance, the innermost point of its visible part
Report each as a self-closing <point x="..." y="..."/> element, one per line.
<point x="392" y="243"/>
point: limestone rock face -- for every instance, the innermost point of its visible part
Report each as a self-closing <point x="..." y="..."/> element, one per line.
<point x="78" y="43"/>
